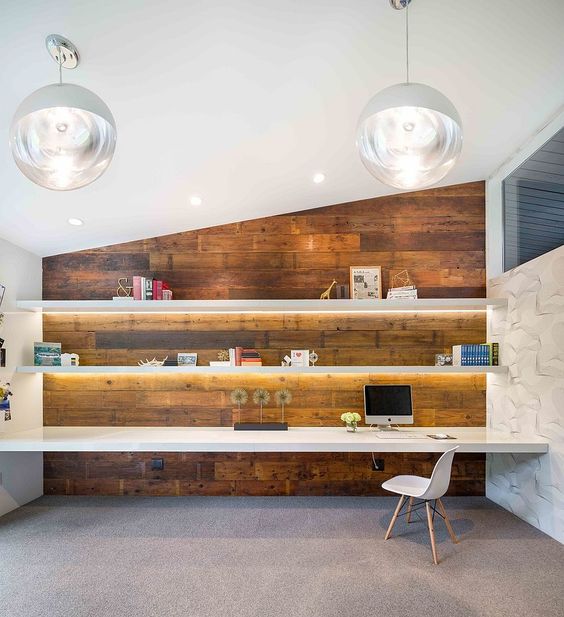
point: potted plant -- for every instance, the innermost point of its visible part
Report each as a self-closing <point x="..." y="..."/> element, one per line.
<point x="351" y="419"/>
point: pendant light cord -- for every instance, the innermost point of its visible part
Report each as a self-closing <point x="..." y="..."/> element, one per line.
<point x="407" y="43"/>
<point x="59" y="50"/>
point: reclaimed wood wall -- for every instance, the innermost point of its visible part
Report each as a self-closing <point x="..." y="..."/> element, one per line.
<point x="438" y="235"/>
<point x="238" y="473"/>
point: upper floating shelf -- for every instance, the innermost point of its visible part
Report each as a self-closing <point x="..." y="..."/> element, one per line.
<point x="264" y="370"/>
<point x="260" y="306"/>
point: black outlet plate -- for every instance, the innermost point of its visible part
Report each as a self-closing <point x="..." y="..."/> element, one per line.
<point x="378" y="464"/>
<point x="157" y="464"/>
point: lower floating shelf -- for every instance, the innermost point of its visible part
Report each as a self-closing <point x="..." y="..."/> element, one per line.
<point x="262" y="370"/>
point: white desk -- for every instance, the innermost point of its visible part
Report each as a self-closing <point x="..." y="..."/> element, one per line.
<point x="168" y="439"/>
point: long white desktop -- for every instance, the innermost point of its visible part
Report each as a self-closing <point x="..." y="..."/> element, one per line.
<point x="333" y="439"/>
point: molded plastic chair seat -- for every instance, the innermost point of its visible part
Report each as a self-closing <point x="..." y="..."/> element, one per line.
<point x="428" y="490"/>
<point x="412" y="486"/>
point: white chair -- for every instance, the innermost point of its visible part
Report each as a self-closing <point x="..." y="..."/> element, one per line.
<point x="427" y="490"/>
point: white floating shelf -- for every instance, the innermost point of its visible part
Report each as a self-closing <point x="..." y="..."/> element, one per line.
<point x="260" y="306"/>
<point x="262" y="370"/>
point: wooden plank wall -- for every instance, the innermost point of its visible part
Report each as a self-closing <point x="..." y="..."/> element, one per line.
<point x="438" y="235"/>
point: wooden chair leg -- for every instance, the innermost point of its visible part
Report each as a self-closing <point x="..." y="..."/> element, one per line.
<point x="409" y="506"/>
<point x="394" y="517"/>
<point x="447" y="522"/>
<point x="431" y="532"/>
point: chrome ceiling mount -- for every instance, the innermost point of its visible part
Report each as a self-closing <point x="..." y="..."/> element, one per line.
<point x="62" y="51"/>
<point x="399" y="4"/>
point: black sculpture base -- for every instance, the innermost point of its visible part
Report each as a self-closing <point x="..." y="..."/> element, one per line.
<point x="257" y="426"/>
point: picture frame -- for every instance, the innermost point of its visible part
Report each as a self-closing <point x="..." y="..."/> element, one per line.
<point x="366" y="282"/>
<point x="299" y="357"/>
<point x="187" y="359"/>
<point x="2" y="292"/>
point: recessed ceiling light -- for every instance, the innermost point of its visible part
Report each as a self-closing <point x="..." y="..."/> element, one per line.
<point x="195" y="200"/>
<point x="318" y="178"/>
<point x="75" y="222"/>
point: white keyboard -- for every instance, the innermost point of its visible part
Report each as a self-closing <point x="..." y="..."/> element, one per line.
<point x="398" y="435"/>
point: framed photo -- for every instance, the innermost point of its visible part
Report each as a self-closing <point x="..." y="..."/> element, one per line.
<point x="366" y="282"/>
<point x="299" y="357"/>
<point x="2" y="292"/>
<point x="187" y="359"/>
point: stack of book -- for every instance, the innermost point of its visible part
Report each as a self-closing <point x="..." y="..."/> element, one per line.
<point x="250" y="357"/>
<point x="486" y="354"/>
<point x="147" y="288"/>
<point x="409" y="292"/>
<point x="244" y="357"/>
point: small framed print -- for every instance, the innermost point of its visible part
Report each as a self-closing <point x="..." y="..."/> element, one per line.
<point x="299" y="357"/>
<point x="366" y="282"/>
<point x="187" y="359"/>
<point x="2" y="292"/>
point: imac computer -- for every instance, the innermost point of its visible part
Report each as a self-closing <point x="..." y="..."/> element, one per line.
<point x="387" y="405"/>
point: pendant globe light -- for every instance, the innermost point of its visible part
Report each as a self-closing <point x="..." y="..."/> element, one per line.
<point x="63" y="136"/>
<point x="409" y="135"/>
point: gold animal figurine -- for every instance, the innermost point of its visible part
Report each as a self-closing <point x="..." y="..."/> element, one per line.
<point x="327" y="293"/>
<point x="124" y="291"/>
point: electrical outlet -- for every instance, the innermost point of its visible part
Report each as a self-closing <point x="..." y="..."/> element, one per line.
<point x="157" y="464"/>
<point x="378" y="464"/>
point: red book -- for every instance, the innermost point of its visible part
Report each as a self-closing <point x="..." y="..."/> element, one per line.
<point x="137" y="288"/>
<point x="238" y="352"/>
<point x="157" y="290"/>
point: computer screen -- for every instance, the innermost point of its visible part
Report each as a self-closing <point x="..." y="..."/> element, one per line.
<point x="388" y="404"/>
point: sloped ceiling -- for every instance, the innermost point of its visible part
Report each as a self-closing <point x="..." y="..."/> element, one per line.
<point x="241" y="101"/>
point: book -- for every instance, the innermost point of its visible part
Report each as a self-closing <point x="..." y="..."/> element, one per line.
<point x="238" y="352"/>
<point x="148" y="289"/>
<point x="472" y="355"/>
<point x="493" y="353"/>
<point x="157" y="290"/>
<point x="137" y="294"/>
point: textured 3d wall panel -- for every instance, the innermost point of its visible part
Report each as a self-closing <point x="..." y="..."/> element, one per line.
<point x="531" y="400"/>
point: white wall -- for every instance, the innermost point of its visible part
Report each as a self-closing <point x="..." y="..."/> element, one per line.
<point x="21" y="473"/>
<point x="531" y="400"/>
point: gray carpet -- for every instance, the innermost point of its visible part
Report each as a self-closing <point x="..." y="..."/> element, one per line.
<point x="269" y="556"/>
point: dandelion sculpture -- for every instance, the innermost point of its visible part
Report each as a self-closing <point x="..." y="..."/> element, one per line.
<point x="283" y="397"/>
<point x="239" y="397"/>
<point x="261" y="397"/>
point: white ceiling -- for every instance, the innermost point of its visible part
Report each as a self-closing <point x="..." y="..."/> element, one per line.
<point x="242" y="101"/>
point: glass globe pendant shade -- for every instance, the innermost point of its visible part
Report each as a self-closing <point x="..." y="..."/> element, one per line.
<point x="409" y="136"/>
<point x="63" y="137"/>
